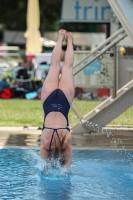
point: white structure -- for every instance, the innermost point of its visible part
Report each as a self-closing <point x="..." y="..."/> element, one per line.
<point x="124" y="11"/>
<point x="85" y="11"/>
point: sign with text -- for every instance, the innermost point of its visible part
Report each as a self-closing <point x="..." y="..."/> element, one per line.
<point x="98" y="74"/>
<point x="85" y="11"/>
<point x="92" y="68"/>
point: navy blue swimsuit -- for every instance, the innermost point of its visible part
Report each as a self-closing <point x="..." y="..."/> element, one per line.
<point x="56" y="102"/>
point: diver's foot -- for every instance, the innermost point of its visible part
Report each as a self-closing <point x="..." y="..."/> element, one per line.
<point x="62" y="34"/>
<point x="69" y="38"/>
<point x="69" y="35"/>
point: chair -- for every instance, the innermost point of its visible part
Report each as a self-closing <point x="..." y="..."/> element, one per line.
<point x="42" y="71"/>
<point x="3" y="70"/>
<point x="23" y="76"/>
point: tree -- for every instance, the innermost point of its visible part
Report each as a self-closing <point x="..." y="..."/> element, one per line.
<point x="13" y="14"/>
<point x="50" y="13"/>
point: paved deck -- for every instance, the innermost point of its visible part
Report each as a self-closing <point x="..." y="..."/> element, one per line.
<point x="113" y="138"/>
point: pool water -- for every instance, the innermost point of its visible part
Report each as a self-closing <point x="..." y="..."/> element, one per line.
<point x="94" y="175"/>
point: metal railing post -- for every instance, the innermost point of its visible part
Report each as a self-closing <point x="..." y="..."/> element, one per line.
<point x="115" y="71"/>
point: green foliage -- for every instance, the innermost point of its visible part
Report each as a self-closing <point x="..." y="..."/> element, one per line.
<point x="13" y="14"/>
<point x="50" y="13"/>
<point x="82" y="27"/>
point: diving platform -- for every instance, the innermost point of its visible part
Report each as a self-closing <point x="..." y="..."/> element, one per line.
<point x="107" y="111"/>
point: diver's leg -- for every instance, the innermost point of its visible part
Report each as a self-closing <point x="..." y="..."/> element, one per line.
<point x="66" y="83"/>
<point x="52" y="80"/>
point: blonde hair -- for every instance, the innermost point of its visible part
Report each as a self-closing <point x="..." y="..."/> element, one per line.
<point x="57" y="151"/>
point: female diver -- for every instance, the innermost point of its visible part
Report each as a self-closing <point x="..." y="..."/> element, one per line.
<point x="57" y="95"/>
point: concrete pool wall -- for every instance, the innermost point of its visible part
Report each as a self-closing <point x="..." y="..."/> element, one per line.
<point x="112" y="138"/>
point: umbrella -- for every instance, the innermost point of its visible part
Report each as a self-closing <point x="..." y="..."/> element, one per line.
<point x="32" y="34"/>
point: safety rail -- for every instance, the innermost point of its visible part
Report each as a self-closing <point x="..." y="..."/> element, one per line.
<point x="109" y="43"/>
<point x="112" y="40"/>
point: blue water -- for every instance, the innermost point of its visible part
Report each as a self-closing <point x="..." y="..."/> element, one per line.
<point x="94" y="175"/>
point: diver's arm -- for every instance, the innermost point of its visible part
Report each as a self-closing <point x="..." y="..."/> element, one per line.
<point x="44" y="155"/>
<point x="68" y="156"/>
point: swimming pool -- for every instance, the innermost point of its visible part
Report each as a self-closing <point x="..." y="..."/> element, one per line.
<point x="94" y="175"/>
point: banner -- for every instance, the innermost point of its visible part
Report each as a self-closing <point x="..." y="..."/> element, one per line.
<point x="85" y="11"/>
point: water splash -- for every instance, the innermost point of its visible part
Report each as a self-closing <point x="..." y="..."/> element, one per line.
<point x="97" y="128"/>
<point x="50" y="169"/>
<point x="53" y="168"/>
<point x="91" y="126"/>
